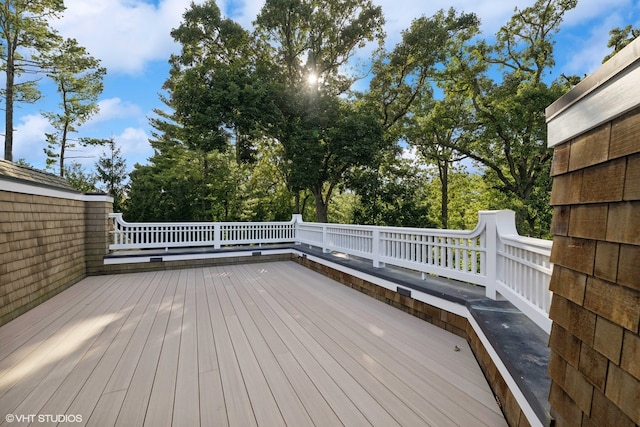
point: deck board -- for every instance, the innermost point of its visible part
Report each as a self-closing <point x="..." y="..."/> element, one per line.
<point x="236" y="397"/>
<point x="405" y="338"/>
<point x="256" y="344"/>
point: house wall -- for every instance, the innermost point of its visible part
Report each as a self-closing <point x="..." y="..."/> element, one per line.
<point x="49" y="240"/>
<point x="595" y="343"/>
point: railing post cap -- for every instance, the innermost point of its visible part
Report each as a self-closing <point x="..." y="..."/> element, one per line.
<point x="505" y="220"/>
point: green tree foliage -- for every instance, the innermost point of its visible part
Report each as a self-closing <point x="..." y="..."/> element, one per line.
<point x="410" y="71"/>
<point x="498" y="90"/>
<point x="78" y="78"/>
<point x="326" y="148"/>
<point x="262" y="124"/>
<point x="404" y="84"/>
<point x="161" y="192"/>
<point x="433" y="129"/>
<point x="510" y="135"/>
<point x="267" y="196"/>
<point x="87" y="182"/>
<point x="620" y="38"/>
<point x="24" y="34"/>
<point x="394" y="193"/>
<point x="112" y="171"/>
<point x="232" y="91"/>
<point x="468" y="193"/>
<point x="213" y="85"/>
<point x="322" y="134"/>
<point x="183" y="185"/>
<point x="215" y="92"/>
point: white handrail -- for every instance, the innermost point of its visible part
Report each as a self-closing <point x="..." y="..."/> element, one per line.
<point x="492" y="255"/>
<point x="165" y="235"/>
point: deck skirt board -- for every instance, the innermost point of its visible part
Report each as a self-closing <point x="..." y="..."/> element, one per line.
<point x="239" y="345"/>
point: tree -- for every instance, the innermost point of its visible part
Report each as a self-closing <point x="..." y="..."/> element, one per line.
<point x="620" y="38"/>
<point x="228" y="85"/>
<point x="392" y="193"/>
<point x="79" y="179"/>
<point x="267" y="197"/>
<point x="434" y="129"/>
<point x="329" y="144"/>
<point x="509" y="136"/>
<point x="310" y="45"/>
<point x="214" y="90"/>
<point x="78" y="77"/>
<point x="112" y="171"/>
<point x="404" y="84"/>
<point x="24" y="33"/>
<point x="213" y="86"/>
<point x="167" y="189"/>
<point x="410" y="72"/>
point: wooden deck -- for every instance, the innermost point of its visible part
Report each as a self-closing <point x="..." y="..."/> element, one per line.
<point x="257" y="344"/>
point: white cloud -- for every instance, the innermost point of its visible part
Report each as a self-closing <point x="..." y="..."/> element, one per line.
<point x="243" y="12"/>
<point x="400" y="13"/>
<point x="127" y="34"/>
<point x="29" y="139"/>
<point x="116" y="108"/>
<point x="590" y="48"/>
<point x="123" y="34"/>
<point x="590" y="9"/>
<point x="134" y="143"/>
<point x="29" y="144"/>
<point x="587" y="28"/>
<point x="134" y="148"/>
<point x="409" y="152"/>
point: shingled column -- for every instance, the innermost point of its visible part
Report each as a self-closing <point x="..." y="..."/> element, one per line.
<point x="595" y="346"/>
<point x="97" y="231"/>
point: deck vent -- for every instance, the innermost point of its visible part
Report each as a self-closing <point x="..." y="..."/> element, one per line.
<point x="155" y="259"/>
<point x="403" y="291"/>
<point x="257" y="253"/>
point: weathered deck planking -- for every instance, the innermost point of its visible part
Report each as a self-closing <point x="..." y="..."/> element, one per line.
<point x="256" y="344"/>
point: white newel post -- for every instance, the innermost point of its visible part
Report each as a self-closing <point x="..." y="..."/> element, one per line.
<point x="325" y="239"/>
<point x="491" y="243"/>
<point x="216" y="236"/>
<point x="297" y="220"/>
<point x="375" y="247"/>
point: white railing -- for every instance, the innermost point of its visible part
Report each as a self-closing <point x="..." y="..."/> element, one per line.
<point x="165" y="235"/>
<point x="492" y="255"/>
<point x="451" y="253"/>
<point x="523" y="273"/>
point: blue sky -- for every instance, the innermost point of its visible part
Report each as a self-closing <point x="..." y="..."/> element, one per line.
<point x="131" y="38"/>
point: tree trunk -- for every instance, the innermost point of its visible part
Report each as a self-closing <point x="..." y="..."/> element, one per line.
<point x="203" y="186"/>
<point x="63" y="146"/>
<point x="8" y="127"/>
<point x="321" y="206"/>
<point x="296" y="207"/>
<point x="443" y="169"/>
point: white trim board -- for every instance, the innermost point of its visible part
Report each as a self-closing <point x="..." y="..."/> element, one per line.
<point x="609" y="92"/>
<point x="12" y="186"/>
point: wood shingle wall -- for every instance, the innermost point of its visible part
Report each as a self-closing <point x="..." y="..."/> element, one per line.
<point x="595" y="342"/>
<point x="50" y="238"/>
